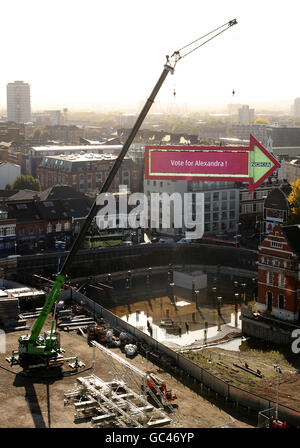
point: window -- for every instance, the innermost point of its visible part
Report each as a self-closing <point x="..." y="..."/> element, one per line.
<point x="58" y="227"/>
<point x="270" y="278"/>
<point x="275" y="244"/>
<point x="281" y="301"/>
<point x="10" y="230"/>
<point x="21" y="206"/>
<point x="206" y="197"/>
<point x="276" y="262"/>
<point x="89" y="179"/>
<point x="281" y="280"/>
<point x="49" y="228"/>
<point x="259" y="207"/>
<point x="247" y="208"/>
<point x="207" y="217"/>
<point x="67" y="226"/>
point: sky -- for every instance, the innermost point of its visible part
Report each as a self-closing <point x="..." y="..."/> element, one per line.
<point x="94" y="54"/>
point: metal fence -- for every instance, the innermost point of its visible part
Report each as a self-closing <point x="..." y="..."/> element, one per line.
<point x="229" y="392"/>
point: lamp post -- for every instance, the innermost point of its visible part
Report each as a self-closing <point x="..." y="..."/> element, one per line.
<point x="254" y="288"/>
<point x="244" y="292"/>
<point x="278" y="371"/>
<point x="236" y="308"/>
<point x="128" y="280"/>
<point x="236" y="233"/>
<point x="59" y="246"/>
<point x="196" y="297"/>
<point x="214" y="290"/>
<point x="219" y="304"/>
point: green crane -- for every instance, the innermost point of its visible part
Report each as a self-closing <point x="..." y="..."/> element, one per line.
<point x="43" y="350"/>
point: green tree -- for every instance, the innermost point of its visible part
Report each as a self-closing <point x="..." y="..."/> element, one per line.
<point x="294" y="201"/>
<point x="26" y="183"/>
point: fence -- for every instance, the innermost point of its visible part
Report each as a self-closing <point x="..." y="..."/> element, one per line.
<point x="229" y="392"/>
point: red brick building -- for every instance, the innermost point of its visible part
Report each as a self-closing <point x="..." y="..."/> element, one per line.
<point x="87" y="172"/>
<point x="279" y="273"/>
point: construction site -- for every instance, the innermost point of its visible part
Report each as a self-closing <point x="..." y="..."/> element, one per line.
<point x="107" y="389"/>
<point x="136" y="348"/>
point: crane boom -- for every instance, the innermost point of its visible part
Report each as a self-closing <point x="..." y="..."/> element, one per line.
<point x="31" y="344"/>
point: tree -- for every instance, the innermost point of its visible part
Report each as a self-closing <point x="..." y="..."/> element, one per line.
<point x="261" y="120"/>
<point x="26" y="183"/>
<point x="294" y="201"/>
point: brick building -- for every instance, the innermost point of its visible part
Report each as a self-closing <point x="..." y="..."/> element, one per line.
<point x="42" y="218"/>
<point x="279" y="273"/>
<point x="7" y="232"/>
<point x="87" y="172"/>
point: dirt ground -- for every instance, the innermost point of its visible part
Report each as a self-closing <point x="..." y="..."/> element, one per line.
<point x="221" y="362"/>
<point x="30" y="402"/>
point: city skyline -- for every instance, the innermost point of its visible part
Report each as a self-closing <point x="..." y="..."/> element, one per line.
<point x="84" y="62"/>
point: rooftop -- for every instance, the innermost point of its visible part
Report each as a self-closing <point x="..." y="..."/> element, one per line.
<point x="74" y="148"/>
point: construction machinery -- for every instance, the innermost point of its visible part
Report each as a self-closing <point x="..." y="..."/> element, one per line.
<point x="36" y="349"/>
<point x="159" y="387"/>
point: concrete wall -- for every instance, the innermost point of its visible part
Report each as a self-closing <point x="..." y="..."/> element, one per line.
<point x="186" y="280"/>
<point x="263" y="330"/>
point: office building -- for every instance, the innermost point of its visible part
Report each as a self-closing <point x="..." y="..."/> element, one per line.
<point x="18" y="102"/>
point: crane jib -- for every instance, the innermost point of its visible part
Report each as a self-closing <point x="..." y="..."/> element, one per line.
<point x="168" y="67"/>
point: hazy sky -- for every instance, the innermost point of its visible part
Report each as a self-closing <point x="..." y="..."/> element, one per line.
<point x="89" y="53"/>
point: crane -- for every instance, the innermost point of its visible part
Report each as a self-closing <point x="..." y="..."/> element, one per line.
<point x="43" y="350"/>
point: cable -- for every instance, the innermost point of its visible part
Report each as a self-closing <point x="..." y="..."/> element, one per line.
<point x="201" y="45"/>
<point x="207" y="34"/>
<point x="8" y="370"/>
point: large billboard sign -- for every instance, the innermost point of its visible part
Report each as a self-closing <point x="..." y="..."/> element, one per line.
<point x="251" y="164"/>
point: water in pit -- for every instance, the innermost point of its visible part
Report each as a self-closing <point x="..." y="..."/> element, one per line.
<point x="182" y="324"/>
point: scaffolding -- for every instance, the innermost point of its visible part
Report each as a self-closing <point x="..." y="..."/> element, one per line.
<point x="136" y="378"/>
<point x="112" y="404"/>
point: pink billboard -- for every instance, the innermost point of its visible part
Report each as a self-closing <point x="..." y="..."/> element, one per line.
<point x="195" y="162"/>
